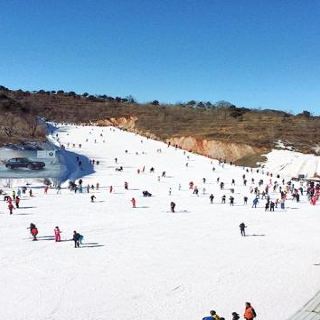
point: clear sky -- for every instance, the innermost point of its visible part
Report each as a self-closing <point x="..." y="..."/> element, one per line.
<point x="254" y="53"/>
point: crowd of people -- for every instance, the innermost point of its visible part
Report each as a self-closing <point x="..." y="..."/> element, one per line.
<point x="270" y="190"/>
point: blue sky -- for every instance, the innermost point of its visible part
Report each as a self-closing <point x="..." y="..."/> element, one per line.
<point x="254" y="53"/>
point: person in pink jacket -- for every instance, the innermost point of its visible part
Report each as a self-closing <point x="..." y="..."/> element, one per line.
<point x="57" y="234"/>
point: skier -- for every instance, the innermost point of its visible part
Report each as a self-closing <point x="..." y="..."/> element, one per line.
<point x="245" y="200"/>
<point x="249" y="312"/>
<point x="110" y="189"/>
<point x="223" y="199"/>
<point x="235" y="316"/>
<point x="170" y="191"/>
<point x="57" y="234"/>
<point x="93" y="198"/>
<point x="17" y="202"/>
<point x="271" y="206"/>
<point x="76" y="239"/>
<point x="126" y="185"/>
<point x="97" y="186"/>
<point x="255" y="202"/>
<point x="211" y="197"/>
<point x="10" y="207"/>
<point x="231" y="200"/>
<point x="33" y="231"/>
<point x="242" y="227"/>
<point x="266" y="207"/>
<point x="213" y="316"/>
<point x="30" y="193"/>
<point x="172" y="206"/>
<point x="133" y="202"/>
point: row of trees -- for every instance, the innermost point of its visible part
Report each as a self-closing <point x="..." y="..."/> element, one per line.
<point x="131" y="100"/>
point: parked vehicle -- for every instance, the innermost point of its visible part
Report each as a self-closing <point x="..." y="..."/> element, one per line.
<point x="16" y="163"/>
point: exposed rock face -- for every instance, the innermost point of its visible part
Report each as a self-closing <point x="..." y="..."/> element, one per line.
<point x="127" y="123"/>
<point x="216" y="149"/>
<point x="211" y="148"/>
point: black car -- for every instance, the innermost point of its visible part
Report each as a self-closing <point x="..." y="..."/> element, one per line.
<point x="16" y="163"/>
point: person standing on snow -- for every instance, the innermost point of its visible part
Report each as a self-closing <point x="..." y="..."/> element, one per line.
<point x="211" y="198"/>
<point x="76" y="239"/>
<point x="172" y="206"/>
<point x="33" y="231"/>
<point x="213" y="316"/>
<point x="255" y="202"/>
<point x="235" y="316"/>
<point x="242" y="227"/>
<point x="93" y="198"/>
<point x="17" y="202"/>
<point x="57" y="234"/>
<point x="249" y="312"/>
<point x="10" y="207"/>
<point x="133" y="202"/>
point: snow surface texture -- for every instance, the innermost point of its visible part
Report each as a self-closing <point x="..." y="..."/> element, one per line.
<point x="291" y="164"/>
<point x="148" y="263"/>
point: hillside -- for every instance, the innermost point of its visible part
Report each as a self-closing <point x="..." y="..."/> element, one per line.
<point x="236" y="134"/>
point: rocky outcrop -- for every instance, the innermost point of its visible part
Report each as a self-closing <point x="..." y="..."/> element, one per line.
<point x="216" y="149"/>
<point x="127" y="123"/>
<point x="211" y="148"/>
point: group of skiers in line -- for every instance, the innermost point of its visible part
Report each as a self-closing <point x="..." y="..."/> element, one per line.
<point x="249" y="314"/>
<point x="76" y="237"/>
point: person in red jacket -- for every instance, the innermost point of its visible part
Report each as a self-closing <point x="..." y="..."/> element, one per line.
<point x="249" y="312"/>
<point x="33" y="231"/>
<point x="10" y="207"/>
<point x="133" y="201"/>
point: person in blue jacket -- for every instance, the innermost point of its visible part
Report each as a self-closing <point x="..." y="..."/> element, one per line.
<point x="213" y="316"/>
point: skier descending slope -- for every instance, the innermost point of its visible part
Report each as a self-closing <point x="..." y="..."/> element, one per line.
<point x="76" y="239"/>
<point x="57" y="234"/>
<point x="242" y="227"/>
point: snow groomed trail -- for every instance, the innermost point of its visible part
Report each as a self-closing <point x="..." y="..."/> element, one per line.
<point x="310" y="311"/>
<point x="146" y="262"/>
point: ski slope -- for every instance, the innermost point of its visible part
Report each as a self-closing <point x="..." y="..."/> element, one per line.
<point x="147" y="263"/>
<point x="291" y="164"/>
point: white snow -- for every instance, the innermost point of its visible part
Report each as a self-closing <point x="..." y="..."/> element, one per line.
<point x="291" y="164"/>
<point x="148" y="263"/>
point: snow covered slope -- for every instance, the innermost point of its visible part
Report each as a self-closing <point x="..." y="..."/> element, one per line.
<point x="148" y="263"/>
<point x="291" y="164"/>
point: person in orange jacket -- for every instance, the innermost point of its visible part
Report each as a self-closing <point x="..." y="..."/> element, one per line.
<point x="249" y="312"/>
